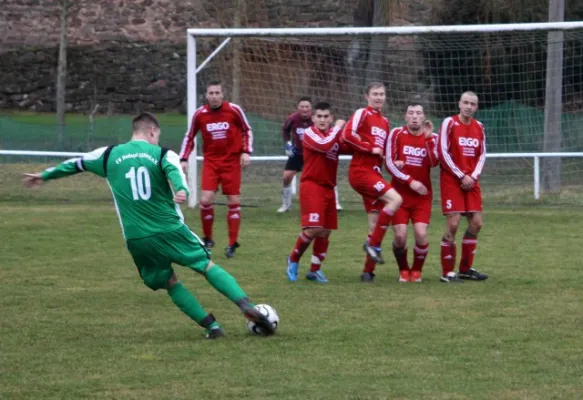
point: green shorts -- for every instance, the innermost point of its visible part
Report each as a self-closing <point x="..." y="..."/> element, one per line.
<point x="154" y="255"/>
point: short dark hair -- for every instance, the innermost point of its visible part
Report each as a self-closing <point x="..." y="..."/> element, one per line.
<point x="414" y="104"/>
<point x="144" y="121"/>
<point x="214" y="83"/>
<point x="322" y="106"/>
<point x="373" y="85"/>
<point x="305" y="98"/>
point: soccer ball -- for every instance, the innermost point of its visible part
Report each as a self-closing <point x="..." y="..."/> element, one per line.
<point x="271" y="315"/>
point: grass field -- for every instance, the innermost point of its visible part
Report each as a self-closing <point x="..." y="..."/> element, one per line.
<point x="77" y="322"/>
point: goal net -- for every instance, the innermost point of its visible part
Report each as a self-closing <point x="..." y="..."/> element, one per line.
<point x="267" y="71"/>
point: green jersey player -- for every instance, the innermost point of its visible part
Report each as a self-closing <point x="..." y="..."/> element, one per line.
<point x="139" y="174"/>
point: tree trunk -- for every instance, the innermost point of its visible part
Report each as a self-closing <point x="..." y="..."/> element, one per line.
<point x="357" y="56"/>
<point x="377" y="54"/>
<point x="553" y="100"/>
<point x="62" y="76"/>
<point x="236" y="92"/>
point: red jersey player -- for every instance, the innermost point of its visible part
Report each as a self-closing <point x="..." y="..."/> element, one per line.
<point x="227" y="142"/>
<point x="322" y="145"/>
<point x="462" y="153"/>
<point x="410" y="154"/>
<point x="367" y="132"/>
<point x="293" y="133"/>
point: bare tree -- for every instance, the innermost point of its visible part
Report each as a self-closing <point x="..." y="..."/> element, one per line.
<point x="356" y="54"/>
<point x="240" y="12"/>
<point x="377" y="54"/>
<point x="553" y="100"/>
<point x="366" y="56"/>
<point x="66" y="7"/>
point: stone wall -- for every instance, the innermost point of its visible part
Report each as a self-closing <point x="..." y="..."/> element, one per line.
<point x="121" y="77"/>
<point x="128" y="55"/>
<point x="36" y="22"/>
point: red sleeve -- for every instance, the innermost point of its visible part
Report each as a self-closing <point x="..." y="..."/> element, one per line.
<point x="431" y="147"/>
<point x="443" y="149"/>
<point x="351" y="136"/>
<point x="320" y="143"/>
<point x="189" y="138"/>
<point x="482" y="159"/>
<point x="286" y="129"/>
<point x="391" y="152"/>
<point x="245" y="129"/>
<point x="345" y="148"/>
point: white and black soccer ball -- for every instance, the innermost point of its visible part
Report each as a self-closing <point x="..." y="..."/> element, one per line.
<point x="271" y="315"/>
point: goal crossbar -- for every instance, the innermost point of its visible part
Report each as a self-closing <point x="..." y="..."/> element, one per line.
<point x="385" y="30"/>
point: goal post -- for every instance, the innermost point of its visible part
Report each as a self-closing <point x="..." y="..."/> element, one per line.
<point x="503" y="63"/>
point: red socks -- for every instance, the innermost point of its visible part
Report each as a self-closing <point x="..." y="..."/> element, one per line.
<point x="302" y="244"/>
<point x="447" y="256"/>
<point x="419" y="256"/>
<point x="233" y="222"/>
<point x="381" y="227"/>
<point x="207" y="216"/>
<point x="469" y="244"/>
<point x="319" y="253"/>
<point x="369" y="264"/>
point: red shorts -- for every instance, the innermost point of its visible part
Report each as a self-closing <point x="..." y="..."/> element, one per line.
<point x="228" y="175"/>
<point x="456" y="200"/>
<point x="318" y="206"/>
<point x="415" y="209"/>
<point x="371" y="186"/>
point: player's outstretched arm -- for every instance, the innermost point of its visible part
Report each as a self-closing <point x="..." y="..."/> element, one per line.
<point x="92" y="162"/>
<point x="172" y="169"/>
<point x="32" y="180"/>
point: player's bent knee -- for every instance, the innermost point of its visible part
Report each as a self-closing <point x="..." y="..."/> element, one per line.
<point x="421" y="235"/>
<point x="207" y="198"/>
<point x="233" y="199"/>
<point x="203" y="267"/>
<point x="288" y="177"/>
<point x="422" y="239"/>
<point x="453" y="221"/>
<point x="451" y="229"/>
<point x="171" y="281"/>
<point x="313" y="232"/>
<point x="476" y="225"/>
<point x="400" y="241"/>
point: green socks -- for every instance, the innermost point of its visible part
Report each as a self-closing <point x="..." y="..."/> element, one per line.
<point x="188" y="304"/>
<point x="219" y="279"/>
<point x="224" y="282"/>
